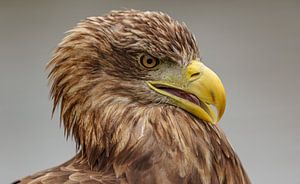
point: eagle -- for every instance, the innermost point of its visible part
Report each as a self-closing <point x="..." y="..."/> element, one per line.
<point x="142" y="107"/>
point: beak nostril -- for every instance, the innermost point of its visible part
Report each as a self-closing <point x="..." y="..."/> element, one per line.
<point x="195" y="74"/>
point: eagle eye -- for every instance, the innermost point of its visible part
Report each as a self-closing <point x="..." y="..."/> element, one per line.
<point x="148" y="61"/>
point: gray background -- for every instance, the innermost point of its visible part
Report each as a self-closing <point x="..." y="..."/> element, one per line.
<point x="254" y="46"/>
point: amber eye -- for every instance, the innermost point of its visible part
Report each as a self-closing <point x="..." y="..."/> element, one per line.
<point x="148" y="61"/>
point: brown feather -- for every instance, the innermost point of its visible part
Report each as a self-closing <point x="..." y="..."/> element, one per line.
<point x="125" y="132"/>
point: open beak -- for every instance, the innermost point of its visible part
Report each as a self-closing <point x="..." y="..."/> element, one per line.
<point x="199" y="89"/>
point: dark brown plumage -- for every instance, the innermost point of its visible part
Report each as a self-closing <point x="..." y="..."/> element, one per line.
<point x="126" y="132"/>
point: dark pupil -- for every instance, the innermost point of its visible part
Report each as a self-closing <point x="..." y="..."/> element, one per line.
<point x="149" y="61"/>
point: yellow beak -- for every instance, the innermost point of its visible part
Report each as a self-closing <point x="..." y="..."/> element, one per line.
<point x="199" y="88"/>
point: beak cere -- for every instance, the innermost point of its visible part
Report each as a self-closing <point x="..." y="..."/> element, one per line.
<point x="200" y="89"/>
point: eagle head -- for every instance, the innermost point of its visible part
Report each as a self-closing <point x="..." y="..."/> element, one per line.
<point x="129" y="77"/>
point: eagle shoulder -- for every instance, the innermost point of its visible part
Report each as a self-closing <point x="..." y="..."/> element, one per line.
<point x="71" y="172"/>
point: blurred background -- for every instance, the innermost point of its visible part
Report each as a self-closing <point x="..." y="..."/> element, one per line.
<point x="254" y="46"/>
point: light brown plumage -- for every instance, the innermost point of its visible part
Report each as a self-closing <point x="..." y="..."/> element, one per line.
<point x="125" y="132"/>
